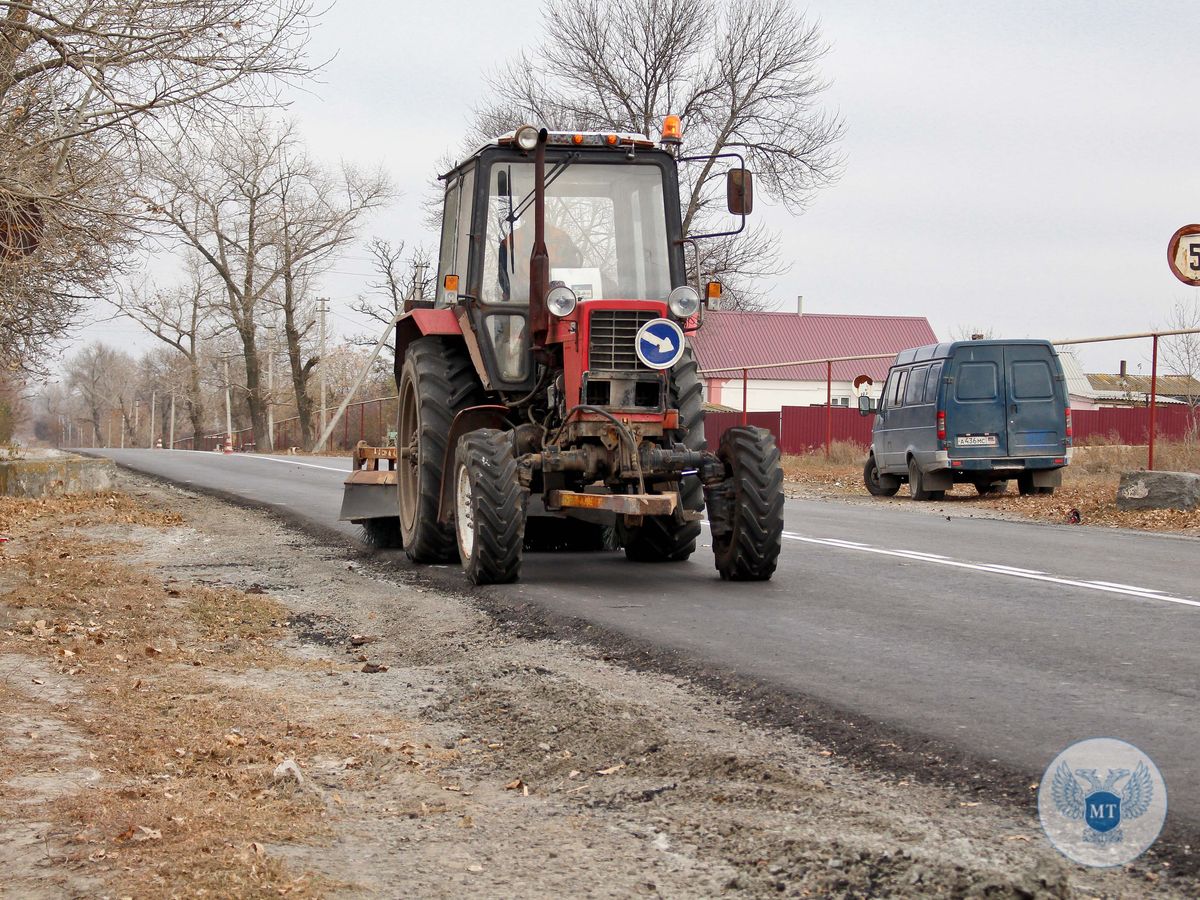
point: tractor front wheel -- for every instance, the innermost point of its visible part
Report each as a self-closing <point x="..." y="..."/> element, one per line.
<point x="749" y="535"/>
<point x="489" y="507"/>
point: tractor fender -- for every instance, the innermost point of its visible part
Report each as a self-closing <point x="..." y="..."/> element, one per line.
<point x="469" y="419"/>
<point x="420" y="322"/>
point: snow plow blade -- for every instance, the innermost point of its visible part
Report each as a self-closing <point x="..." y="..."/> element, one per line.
<point x="370" y="492"/>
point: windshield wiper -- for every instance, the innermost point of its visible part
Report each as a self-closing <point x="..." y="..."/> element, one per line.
<point x="559" y="167"/>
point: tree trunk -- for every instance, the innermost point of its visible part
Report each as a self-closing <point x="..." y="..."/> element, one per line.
<point x="300" y="375"/>
<point x="194" y="404"/>
<point x="254" y="398"/>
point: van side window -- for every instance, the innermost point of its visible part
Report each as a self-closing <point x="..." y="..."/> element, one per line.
<point x="975" y="381"/>
<point x="915" y="392"/>
<point x="931" y="386"/>
<point x="901" y="381"/>
<point x="1032" y="381"/>
<point x="887" y="390"/>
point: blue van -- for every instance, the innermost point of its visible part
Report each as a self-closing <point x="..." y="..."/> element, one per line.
<point x="982" y="412"/>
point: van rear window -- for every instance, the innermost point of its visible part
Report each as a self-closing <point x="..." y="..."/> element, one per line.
<point x="1032" y="380"/>
<point x="975" y="381"/>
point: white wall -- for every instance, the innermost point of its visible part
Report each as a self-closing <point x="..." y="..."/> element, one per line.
<point x="765" y="395"/>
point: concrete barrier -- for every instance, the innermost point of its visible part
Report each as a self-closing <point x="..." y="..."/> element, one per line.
<point x="1158" y="490"/>
<point x="47" y="475"/>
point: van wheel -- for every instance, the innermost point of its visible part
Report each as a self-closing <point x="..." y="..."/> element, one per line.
<point x="991" y="488"/>
<point x="1025" y="485"/>
<point x="879" y="485"/>
<point x="916" y="484"/>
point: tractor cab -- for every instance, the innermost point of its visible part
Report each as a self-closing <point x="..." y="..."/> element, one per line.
<point x="612" y="236"/>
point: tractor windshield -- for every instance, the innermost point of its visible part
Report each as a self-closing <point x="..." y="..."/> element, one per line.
<point x="606" y="232"/>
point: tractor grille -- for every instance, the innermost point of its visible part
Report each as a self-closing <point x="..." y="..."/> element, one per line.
<point x="613" y="334"/>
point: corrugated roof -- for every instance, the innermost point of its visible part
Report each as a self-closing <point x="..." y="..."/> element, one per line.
<point x="755" y="338"/>
<point x="1176" y="385"/>
<point x="1077" y="382"/>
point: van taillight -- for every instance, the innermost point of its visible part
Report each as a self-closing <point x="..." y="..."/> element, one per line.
<point x="941" y="424"/>
<point x="1070" y="433"/>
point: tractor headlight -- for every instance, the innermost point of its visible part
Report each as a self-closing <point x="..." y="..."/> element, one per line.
<point x="561" y="301"/>
<point x="684" y="302"/>
<point x="527" y="137"/>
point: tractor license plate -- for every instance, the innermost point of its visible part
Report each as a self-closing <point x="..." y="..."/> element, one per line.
<point x="976" y="440"/>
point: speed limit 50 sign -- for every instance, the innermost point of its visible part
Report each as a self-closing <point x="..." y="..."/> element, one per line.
<point x="1183" y="253"/>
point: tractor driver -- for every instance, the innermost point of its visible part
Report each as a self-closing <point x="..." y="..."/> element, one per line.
<point x="561" y="249"/>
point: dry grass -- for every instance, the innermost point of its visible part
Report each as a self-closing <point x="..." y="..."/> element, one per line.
<point x="186" y="743"/>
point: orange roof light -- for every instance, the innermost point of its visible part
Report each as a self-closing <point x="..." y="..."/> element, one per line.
<point x="671" y="131"/>
<point x="451" y="284"/>
<point x="578" y="139"/>
<point x="712" y="290"/>
<point x="611" y="139"/>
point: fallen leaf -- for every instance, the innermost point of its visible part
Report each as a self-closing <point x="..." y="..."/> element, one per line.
<point x="235" y="740"/>
<point x="611" y="770"/>
<point x="153" y="651"/>
<point x="515" y="785"/>
<point x="372" y="668"/>
<point x="258" y="849"/>
<point x="147" y="834"/>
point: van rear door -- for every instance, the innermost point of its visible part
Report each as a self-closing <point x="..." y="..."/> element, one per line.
<point x="1036" y="410"/>
<point x="976" y="423"/>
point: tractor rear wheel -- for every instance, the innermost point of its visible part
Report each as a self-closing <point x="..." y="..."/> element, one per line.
<point x="747" y="547"/>
<point x="673" y="538"/>
<point x="489" y="507"/>
<point x="436" y="382"/>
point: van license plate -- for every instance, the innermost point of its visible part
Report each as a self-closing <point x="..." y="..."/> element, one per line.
<point x="976" y="440"/>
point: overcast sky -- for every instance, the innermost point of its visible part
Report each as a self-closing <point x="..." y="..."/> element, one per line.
<point x="1018" y="166"/>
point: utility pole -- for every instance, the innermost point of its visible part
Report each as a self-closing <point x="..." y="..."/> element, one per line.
<point x="323" y="301"/>
<point x="153" y="400"/>
<point x="171" y="445"/>
<point x="228" y="405"/>
<point x="271" y="387"/>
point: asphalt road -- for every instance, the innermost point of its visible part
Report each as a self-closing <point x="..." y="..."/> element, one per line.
<point x="1007" y="640"/>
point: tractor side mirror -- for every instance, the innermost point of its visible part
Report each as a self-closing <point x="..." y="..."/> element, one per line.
<point x="866" y="405"/>
<point x="739" y="191"/>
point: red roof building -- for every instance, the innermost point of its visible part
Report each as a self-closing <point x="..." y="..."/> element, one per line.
<point x="735" y="339"/>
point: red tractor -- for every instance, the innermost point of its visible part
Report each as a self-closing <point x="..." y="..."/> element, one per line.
<point x="548" y="397"/>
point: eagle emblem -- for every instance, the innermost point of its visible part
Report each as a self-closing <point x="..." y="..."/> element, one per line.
<point x="1099" y="805"/>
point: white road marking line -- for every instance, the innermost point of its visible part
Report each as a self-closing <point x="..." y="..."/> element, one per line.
<point x="290" y="462"/>
<point x="1126" y="590"/>
<point x="1021" y="571"/>
<point x="1117" y="584"/>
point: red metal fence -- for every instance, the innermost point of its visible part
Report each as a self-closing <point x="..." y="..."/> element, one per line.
<point x="801" y="429"/>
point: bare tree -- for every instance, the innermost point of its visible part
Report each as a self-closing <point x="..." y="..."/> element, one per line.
<point x="178" y="316"/>
<point x="102" y="376"/>
<point x="741" y="74"/>
<point x="397" y="277"/>
<point x="87" y="89"/>
<point x="266" y="220"/>
<point x="1181" y="352"/>
<point x="318" y="215"/>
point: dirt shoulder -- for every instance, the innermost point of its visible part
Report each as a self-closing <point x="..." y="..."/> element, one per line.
<point x="198" y="699"/>
<point x="1087" y="496"/>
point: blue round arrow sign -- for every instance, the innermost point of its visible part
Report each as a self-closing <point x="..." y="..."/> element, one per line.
<point x="659" y="343"/>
